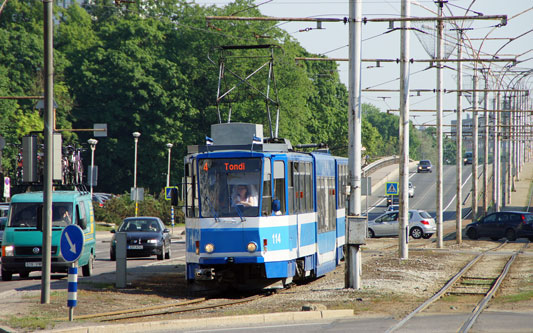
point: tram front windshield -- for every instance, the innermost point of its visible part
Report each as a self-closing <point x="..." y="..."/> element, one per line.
<point x="229" y="187"/>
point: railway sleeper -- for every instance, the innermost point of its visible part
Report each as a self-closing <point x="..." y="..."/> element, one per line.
<point x="462" y="293"/>
<point x="479" y="282"/>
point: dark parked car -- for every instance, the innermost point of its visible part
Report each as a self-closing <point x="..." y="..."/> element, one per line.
<point x="146" y="236"/>
<point x="511" y="225"/>
<point x="424" y="166"/>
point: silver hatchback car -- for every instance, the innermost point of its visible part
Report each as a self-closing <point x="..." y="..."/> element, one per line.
<point x="421" y="225"/>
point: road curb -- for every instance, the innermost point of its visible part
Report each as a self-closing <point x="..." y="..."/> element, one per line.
<point x="215" y="322"/>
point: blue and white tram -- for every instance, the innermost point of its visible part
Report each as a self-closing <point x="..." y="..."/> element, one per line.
<point x="292" y="229"/>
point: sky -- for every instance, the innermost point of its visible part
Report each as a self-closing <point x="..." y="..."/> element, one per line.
<point x="379" y="42"/>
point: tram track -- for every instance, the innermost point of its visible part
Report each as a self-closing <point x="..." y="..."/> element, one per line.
<point x="475" y="279"/>
<point x="196" y="304"/>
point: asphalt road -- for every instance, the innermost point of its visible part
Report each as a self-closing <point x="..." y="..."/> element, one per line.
<point x="489" y="321"/>
<point x="425" y="194"/>
<point x="104" y="268"/>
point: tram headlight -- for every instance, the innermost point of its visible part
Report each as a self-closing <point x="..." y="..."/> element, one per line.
<point x="209" y="248"/>
<point x="252" y="247"/>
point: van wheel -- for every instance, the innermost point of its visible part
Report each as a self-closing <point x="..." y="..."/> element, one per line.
<point x="24" y="275"/>
<point x="6" y="276"/>
<point x="88" y="269"/>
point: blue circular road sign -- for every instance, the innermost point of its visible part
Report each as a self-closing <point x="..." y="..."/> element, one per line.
<point x="71" y="243"/>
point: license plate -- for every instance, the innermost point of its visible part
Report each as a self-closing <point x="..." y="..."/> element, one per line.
<point x="135" y="247"/>
<point x="34" y="264"/>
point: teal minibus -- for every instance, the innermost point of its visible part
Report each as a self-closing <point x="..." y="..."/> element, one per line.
<point x="22" y="242"/>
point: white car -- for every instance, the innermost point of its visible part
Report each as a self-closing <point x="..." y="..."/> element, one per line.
<point x="421" y="225"/>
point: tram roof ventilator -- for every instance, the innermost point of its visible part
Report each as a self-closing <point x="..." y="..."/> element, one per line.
<point x="240" y="136"/>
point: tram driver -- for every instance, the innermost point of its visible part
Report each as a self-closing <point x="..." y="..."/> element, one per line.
<point x="244" y="195"/>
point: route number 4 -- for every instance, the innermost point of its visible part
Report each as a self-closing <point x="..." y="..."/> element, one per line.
<point x="276" y="238"/>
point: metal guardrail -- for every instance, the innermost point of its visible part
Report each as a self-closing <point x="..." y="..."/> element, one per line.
<point x="381" y="163"/>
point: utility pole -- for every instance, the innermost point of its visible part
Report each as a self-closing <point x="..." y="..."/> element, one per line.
<point x="459" y="144"/>
<point x="475" y="145"/>
<point x="353" y="260"/>
<point x="440" y="45"/>
<point x="48" y="150"/>
<point x="486" y="152"/>
<point x="497" y="147"/>
<point x="504" y="165"/>
<point x="404" y="131"/>
<point x="509" y="151"/>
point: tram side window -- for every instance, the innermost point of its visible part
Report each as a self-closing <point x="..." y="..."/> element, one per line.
<point x="332" y="212"/>
<point x="297" y="186"/>
<point x="322" y="207"/>
<point x="267" y="189"/>
<point x="291" y="188"/>
<point x="342" y="183"/>
<point x="309" y="186"/>
<point x="279" y="184"/>
<point x="299" y="175"/>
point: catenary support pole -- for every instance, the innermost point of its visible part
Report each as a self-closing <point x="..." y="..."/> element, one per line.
<point x="497" y="148"/>
<point x="459" y="144"/>
<point x="353" y="271"/>
<point x="485" y="152"/>
<point x="48" y="151"/>
<point x="475" y="146"/>
<point x="404" y="133"/>
<point x="509" y="152"/>
<point x="440" y="45"/>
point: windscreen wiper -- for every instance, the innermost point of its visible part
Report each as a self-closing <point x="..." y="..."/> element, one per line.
<point x="211" y="208"/>
<point x="239" y="212"/>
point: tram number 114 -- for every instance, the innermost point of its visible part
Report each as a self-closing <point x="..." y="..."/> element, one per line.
<point x="276" y="238"/>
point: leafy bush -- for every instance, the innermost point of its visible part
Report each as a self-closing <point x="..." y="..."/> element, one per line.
<point x="121" y="206"/>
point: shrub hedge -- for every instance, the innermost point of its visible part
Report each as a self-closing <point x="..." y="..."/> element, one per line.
<point x="121" y="206"/>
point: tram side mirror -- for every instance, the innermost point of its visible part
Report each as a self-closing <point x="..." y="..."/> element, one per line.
<point x="276" y="207"/>
<point x="174" y="196"/>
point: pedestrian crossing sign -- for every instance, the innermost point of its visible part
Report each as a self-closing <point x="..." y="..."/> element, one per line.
<point x="168" y="190"/>
<point x="391" y="188"/>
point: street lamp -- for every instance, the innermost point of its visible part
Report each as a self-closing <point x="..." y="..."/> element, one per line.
<point x="136" y="136"/>
<point x="169" y="147"/>
<point x="93" y="143"/>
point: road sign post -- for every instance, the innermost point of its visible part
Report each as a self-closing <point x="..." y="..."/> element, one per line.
<point x="71" y="247"/>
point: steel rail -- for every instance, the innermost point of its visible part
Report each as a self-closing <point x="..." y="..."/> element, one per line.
<point x="155" y="307"/>
<point x="483" y="303"/>
<point x="194" y="308"/>
<point x="443" y="290"/>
